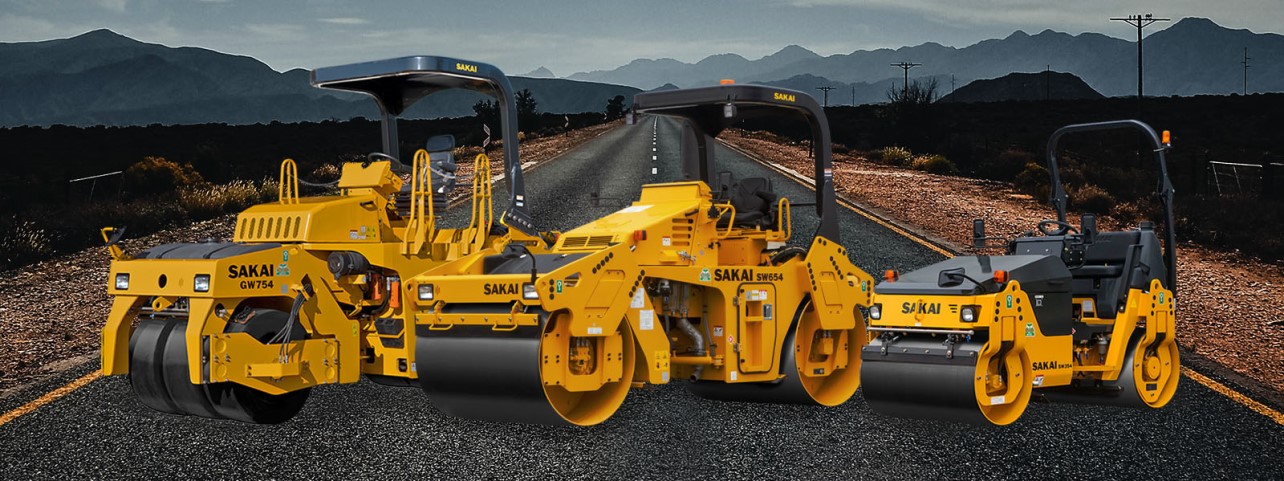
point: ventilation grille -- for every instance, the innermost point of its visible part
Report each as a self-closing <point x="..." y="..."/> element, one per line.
<point x="269" y="228"/>
<point x="682" y="232"/>
<point x="587" y="242"/>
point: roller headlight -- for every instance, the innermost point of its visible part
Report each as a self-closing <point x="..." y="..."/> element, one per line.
<point x="529" y="292"/>
<point x="201" y="283"/>
<point x="967" y="314"/>
<point x="876" y="312"/>
<point x="425" y="292"/>
<point x="122" y="281"/>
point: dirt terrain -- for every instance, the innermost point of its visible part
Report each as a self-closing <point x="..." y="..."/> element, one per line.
<point x="1230" y="304"/>
<point x="53" y="311"/>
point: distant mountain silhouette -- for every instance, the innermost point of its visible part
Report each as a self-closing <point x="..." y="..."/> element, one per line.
<point x="1025" y="86"/>
<point x="1193" y="56"/>
<point x="664" y="87"/>
<point x="542" y="72"/>
<point x="103" y="78"/>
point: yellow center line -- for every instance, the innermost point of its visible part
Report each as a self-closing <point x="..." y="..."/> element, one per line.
<point x="1234" y="395"/>
<point x="1217" y="387"/>
<point x="49" y="397"/>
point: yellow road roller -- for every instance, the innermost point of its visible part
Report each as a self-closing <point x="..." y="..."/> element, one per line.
<point x="694" y="280"/>
<point x="1074" y="313"/>
<point x="308" y="291"/>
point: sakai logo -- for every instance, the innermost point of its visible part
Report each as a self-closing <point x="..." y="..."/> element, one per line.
<point x="250" y="270"/>
<point x="783" y="96"/>
<point x="501" y="289"/>
<point x="921" y="308"/>
<point x="463" y="67"/>
<point x="1048" y="365"/>
<point x="745" y="275"/>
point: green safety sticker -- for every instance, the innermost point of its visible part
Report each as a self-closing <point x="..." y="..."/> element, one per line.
<point x="704" y="275"/>
<point x="285" y="256"/>
<point x="559" y="286"/>
<point x="1029" y="329"/>
<point x="1009" y="301"/>
<point x="1161" y="298"/>
<point x="864" y="286"/>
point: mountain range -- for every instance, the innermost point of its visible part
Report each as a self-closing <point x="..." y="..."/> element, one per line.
<point x="1193" y="56"/>
<point x="103" y="78"/>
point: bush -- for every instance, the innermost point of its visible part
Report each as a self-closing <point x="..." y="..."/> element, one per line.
<point x="1033" y="181"/>
<point x="157" y="175"/>
<point x="212" y="200"/>
<point x="934" y="164"/>
<point x="1007" y="165"/>
<point x="1092" y="199"/>
<point x="22" y="242"/>
<point x="898" y="156"/>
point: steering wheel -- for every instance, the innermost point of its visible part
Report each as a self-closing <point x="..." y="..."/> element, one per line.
<point x="377" y="156"/>
<point x="1045" y="226"/>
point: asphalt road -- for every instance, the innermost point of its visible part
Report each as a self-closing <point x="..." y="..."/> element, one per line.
<point x="372" y="431"/>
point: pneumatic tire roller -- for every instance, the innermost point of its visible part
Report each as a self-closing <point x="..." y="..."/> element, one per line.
<point x="308" y="292"/>
<point x="1073" y="314"/>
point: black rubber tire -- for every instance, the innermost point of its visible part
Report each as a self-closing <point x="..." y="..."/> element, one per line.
<point x="189" y="398"/>
<point x="146" y="369"/>
<point x="245" y="404"/>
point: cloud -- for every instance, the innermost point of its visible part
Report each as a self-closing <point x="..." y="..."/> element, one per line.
<point x="113" y="5"/>
<point x="345" y="20"/>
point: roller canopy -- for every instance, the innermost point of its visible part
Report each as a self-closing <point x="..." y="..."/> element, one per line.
<point x="710" y="110"/>
<point x="397" y="83"/>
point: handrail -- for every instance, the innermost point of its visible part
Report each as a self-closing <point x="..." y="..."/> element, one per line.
<point x="722" y="210"/>
<point x="419" y="228"/>
<point x="287" y="190"/>
<point x="784" y="218"/>
<point x="483" y="215"/>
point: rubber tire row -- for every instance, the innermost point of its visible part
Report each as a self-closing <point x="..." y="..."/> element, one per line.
<point x="159" y="374"/>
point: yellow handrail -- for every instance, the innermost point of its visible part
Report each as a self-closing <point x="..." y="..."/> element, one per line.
<point x="723" y="209"/>
<point x="287" y="191"/>
<point x="784" y="218"/>
<point x="419" y="228"/>
<point x="483" y="215"/>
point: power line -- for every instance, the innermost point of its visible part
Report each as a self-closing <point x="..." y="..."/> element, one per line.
<point x="906" y="66"/>
<point x="825" y="89"/>
<point x="1140" y="21"/>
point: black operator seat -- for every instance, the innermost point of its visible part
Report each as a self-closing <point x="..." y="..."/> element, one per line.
<point x="1116" y="262"/>
<point x="755" y="203"/>
<point x="441" y="169"/>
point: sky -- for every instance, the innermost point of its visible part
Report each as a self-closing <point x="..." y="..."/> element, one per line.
<point x="569" y="36"/>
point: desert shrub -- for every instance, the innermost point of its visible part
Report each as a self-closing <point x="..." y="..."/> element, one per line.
<point x="1007" y="165"/>
<point x="1033" y="180"/>
<point x="158" y="175"/>
<point x="22" y="242"/>
<point x="899" y="156"/>
<point x="934" y="164"/>
<point x="839" y="149"/>
<point x="212" y="200"/>
<point x="325" y="173"/>
<point x="1093" y="199"/>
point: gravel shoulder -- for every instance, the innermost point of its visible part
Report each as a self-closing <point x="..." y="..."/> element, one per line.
<point x="1231" y="304"/>
<point x="53" y="311"/>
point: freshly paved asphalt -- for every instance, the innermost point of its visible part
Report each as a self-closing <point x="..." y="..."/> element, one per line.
<point x="372" y="431"/>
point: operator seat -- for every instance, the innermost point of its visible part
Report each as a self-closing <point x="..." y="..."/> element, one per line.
<point x="755" y="203"/>
<point x="442" y="168"/>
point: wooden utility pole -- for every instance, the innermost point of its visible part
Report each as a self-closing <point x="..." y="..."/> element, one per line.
<point x="1139" y="21"/>
<point x="825" y="89"/>
<point x="905" y="66"/>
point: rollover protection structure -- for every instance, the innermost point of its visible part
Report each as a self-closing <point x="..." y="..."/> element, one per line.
<point x="1079" y="314"/>
<point x="308" y="290"/>
<point x="693" y="280"/>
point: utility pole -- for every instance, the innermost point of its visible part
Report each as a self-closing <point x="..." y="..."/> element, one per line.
<point x="951" y="83"/>
<point x="1047" y="83"/>
<point x="825" y="89"/>
<point x="1140" y="22"/>
<point x="1246" y="65"/>
<point x="906" y="66"/>
<point x="853" y="95"/>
